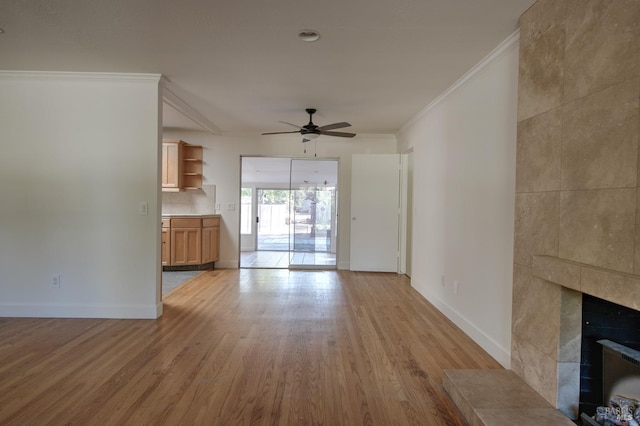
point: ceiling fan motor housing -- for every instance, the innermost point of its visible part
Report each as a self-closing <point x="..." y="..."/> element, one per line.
<point x="310" y="129"/>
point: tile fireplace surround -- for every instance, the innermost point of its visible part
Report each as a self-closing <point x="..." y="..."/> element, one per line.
<point x="577" y="194"/>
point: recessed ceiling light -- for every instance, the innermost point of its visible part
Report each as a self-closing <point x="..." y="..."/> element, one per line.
<point x="309" y="35"/>
<point x="1" y="31"/>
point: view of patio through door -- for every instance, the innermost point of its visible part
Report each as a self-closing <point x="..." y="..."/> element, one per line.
<point x="290" y="224"/>
<point x="273" y="219"/>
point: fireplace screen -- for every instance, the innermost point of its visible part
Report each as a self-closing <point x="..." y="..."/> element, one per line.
<point x="621" y="387"/>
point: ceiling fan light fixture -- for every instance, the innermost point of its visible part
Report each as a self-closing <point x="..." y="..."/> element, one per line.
<point x="309" y="36"/>
<point x="311" y="136"/>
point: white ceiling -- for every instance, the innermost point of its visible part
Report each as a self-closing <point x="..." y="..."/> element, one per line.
<point x="239" y="64"/>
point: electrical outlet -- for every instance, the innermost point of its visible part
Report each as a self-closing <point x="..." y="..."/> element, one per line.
<point x="231" y="206"/>
<point x="55" y="280"/>
<point x="217" y="207"/>
<point x="456" y="286"/>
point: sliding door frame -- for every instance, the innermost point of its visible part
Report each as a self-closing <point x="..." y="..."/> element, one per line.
<point x="335" y="214"/>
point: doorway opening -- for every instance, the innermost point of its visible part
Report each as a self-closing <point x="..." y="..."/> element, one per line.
<point x="288" y="213"/>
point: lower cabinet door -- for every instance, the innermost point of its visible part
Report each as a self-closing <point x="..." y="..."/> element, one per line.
<point x="186" y="246"/>
<point x="166" y="246"/>
<point x="210" y="244"/>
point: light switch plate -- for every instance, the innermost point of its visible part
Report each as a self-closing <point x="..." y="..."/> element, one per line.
<point x="143" y="208"/>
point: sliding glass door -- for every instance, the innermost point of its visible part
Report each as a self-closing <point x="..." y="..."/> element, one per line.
<point x="313" y="187"/>
<point x="293" y="222"/>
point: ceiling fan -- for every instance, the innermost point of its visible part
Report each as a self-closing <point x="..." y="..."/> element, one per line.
<point x="312" y="131"/>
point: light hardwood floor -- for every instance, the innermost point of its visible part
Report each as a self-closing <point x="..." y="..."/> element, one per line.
<point x="264" y="347"/>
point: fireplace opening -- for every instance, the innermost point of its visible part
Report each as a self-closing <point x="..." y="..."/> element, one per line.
<point x="609" y="354"/>
<point x="621" y="387"/>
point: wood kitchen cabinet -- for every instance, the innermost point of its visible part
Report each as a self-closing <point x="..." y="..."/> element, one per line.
<point x="194" y="241"/>
<point x="166" y="241"/>
<point x="191" y="166"/>
<point x="210" y="239"/>
<point x="172" y="165"/>
<point x="186" y="241"/>
<point x="181" y="165"/>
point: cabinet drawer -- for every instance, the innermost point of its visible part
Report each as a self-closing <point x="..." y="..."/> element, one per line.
<point x="210" y="221"/>
<point x="166" y="222"/>
<point x="183" y="222"/>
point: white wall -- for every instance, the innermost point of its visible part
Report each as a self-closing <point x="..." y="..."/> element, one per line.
<point x="222" y="169"/>
<point x="79" y="153"/>
<point x="464" y="148"/>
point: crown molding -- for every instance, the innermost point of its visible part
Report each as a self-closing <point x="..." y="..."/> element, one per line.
<point x="69" y="75"/>
<point x="502" y="49"/>
<point x="180" y="105"/>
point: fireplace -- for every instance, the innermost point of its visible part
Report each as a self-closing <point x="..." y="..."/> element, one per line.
<point x="610" y="358"/>
<point x="577" y="205"/>
<point x="550" y="362"/>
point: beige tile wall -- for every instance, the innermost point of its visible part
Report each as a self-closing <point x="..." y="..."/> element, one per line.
<point x="577" y="192"/>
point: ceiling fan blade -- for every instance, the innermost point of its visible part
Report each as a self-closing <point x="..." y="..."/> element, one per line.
<point x="280" y="133"/>
<point x="334" y="126"/>
<point x="290" y="124"/>
<point x="340" y="134"/>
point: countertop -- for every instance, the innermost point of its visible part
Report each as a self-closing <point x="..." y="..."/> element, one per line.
<point x="190" y="215"/>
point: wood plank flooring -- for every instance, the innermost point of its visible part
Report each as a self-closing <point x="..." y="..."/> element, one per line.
<point x="243" y="347"/>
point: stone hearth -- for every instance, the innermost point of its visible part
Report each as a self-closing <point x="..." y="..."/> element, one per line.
<point x="499" y="398"/>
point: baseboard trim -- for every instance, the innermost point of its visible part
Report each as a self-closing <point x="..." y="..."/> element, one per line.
<point x="81" y="311"/>
<point x="174" y="268"/>
<point x="493" y="348"/>
<point x="227" y="264"/>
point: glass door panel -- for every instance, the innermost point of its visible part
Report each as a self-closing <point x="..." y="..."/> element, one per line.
<point x="312" y="212"/>
<point x="273" y="219"/>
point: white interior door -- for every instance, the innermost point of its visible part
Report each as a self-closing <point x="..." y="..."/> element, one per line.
<point x="406" y="213"/>
<point x="375" y="209"/>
